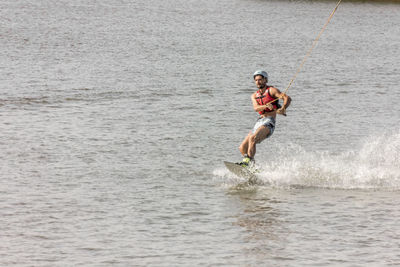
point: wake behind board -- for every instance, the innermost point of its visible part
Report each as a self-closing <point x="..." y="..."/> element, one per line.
<point x="241" y="172"/>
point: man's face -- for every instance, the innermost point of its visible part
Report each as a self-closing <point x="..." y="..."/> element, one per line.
<point x="260" y="81"/>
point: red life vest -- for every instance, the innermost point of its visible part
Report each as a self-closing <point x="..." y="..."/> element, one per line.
<point x="265" y="98"/>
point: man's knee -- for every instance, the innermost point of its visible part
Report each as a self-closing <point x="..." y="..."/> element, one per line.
<point x="243" y="145"/>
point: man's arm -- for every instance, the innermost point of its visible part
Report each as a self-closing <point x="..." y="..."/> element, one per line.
<point x="286" y="100"/>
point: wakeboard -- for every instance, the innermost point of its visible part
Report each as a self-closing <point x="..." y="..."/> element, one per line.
<point x="242" y="172"/>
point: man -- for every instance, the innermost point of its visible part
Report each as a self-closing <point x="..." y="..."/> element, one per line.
<point x="265" y="125"/>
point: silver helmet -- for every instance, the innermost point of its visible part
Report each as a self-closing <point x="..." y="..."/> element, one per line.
<point x="262" y="73"/>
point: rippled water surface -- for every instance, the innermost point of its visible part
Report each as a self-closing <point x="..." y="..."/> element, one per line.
<point x="116" y="117"/>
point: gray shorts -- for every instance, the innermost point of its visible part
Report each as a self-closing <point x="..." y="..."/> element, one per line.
<point x="268" y="122"/>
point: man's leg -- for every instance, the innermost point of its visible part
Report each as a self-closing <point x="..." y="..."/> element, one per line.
<point x="256" y="138"/>
<point x="244" y="146"/>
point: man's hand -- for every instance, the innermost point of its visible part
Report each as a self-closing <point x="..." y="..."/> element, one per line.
<point x="281" y="111"/>
<point x="269" y="106"/>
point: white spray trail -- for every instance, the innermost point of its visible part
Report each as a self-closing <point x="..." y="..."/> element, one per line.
<point x="376" y="165"/>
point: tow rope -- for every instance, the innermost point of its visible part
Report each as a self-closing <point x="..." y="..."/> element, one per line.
<point x="310" y="50"/>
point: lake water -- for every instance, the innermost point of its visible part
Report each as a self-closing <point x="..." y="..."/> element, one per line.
<point x="116" y="117"/>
